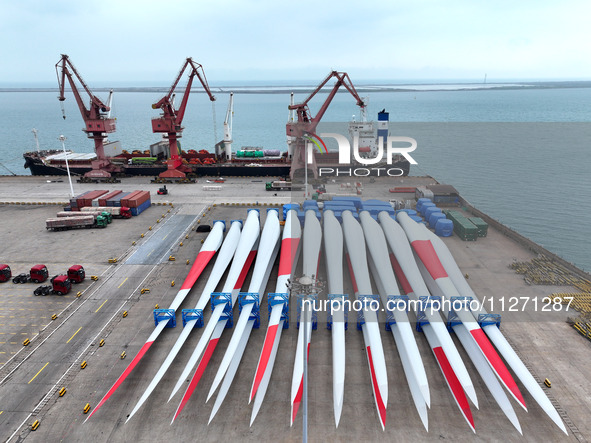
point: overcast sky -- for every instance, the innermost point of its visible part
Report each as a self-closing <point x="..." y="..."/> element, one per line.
<point x="144" y="42"/>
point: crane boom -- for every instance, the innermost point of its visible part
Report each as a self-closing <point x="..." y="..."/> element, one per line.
<point x="97" y="120"/>
<point x="171" y="119"/>
<point x="306" y="123"/>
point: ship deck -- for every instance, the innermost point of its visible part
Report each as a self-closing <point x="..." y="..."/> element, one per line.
<point x="30" y="376"/>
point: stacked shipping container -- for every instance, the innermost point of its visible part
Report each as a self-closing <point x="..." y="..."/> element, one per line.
<point x="137" y="201"/>
<point x="103" y="200"/>
<point x="116" y="200"/>
<point x="463" y="227"/>
<point x="481" y="225"/>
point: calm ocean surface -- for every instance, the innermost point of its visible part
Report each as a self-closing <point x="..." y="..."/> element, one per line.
<point x="543" y="190"/>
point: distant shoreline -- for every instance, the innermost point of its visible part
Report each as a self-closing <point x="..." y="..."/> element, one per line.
<point x="435" y="87"/>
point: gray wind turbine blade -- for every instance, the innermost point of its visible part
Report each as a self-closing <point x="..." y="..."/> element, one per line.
<point x="378" y="255"/>
<point x="311" y="255"/>
<point x="355" y="246"/>
<point x="496" y="336"/>
<point x="224" y="257"/>
<point x="333" y="247"/>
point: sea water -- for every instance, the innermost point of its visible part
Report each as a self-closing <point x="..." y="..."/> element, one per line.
<point x="541" y="190"/>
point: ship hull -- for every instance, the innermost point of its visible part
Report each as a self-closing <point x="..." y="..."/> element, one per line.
<point x="38" y="167"/>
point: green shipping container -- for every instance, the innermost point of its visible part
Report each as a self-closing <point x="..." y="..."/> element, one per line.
<point x="465" y="229"/>
<point x="481" y="226"/>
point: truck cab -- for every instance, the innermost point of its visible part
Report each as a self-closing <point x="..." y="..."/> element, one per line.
<point x="5" y="273"/>
<point x="101" y="221"/>
<point x="39" y="273"/>
<point x="108" y="216"/>
<point x="125" y="212"/>
<point x="76" y="274"/>
<point x="61" y="284"/>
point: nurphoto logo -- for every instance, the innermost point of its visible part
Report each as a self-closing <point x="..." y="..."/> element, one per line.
<point x="392" y="149"/>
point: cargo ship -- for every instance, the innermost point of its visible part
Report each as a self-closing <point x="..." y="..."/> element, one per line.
<point x="151" y="162"/>
<point x="248" y="161"/>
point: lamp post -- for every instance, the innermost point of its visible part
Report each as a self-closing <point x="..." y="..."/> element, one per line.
<point x="305" y="287"/>
<point x="63" y="138"/>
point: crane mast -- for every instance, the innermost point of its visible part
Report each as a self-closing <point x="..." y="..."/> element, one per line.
<point x="97" y="117"/>
<point x="228" y="128"/>
<point x="305" y="124"/>
<point x="171" y="119"/>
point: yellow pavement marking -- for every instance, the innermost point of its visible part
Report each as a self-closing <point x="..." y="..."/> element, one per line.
<point x="74" y="334"/>
<point x="122" y="282"/>
<point x="165" y="237"/>
<point x="101" y="306"/>
<point x="38" y="373"/>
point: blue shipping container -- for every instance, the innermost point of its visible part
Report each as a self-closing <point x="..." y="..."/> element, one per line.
<point x="116" y="201"/>
<point x="141" y="208"/>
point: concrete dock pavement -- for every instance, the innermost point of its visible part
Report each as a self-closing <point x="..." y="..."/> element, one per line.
<point x="548" y="345"/>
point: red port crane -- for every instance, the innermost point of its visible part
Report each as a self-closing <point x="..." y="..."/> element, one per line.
<point x="170" y="121"/>
<point x="306" y="123"/>
<point x="96" y="118"/>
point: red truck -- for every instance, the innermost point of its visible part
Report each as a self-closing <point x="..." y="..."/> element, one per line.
<point x="37" y="274"/>
<point x="5" y="273"/>
<point x="76" y="274"/>
<point x="60" y="284"/>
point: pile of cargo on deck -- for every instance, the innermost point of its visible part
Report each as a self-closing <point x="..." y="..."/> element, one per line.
<point x="467" y="228"/>
<point x="441" y="194"/>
